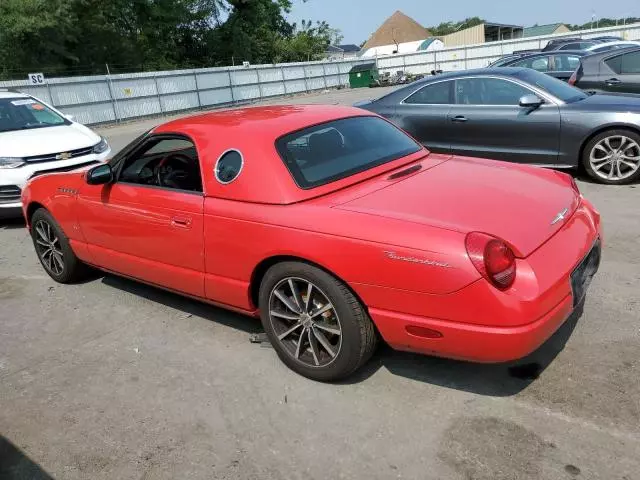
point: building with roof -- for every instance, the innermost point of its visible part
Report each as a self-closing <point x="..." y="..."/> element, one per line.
<point x="399" y="34"/>
<point x="550" y="29"/>
<point x="485" y="32"/>
<point x="342" y="52"/>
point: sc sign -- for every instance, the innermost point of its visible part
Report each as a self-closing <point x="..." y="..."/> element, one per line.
<point x="36" y="78"/>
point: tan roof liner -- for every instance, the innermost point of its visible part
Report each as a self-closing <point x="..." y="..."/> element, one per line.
<point x="398" y="28"/>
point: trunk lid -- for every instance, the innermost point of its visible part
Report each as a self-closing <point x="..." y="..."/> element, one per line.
<point x="522" y="205"/>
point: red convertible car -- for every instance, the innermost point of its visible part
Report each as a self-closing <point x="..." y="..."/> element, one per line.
<point x="336" y="228"/>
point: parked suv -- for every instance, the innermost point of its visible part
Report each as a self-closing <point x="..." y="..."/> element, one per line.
<point x="616" y="71"/>
<point x="35" y="139"/>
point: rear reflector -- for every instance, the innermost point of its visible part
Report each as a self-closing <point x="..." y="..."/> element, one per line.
<point x="422" y="332"/>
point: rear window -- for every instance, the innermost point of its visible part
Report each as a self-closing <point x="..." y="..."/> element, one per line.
<point x="334" y="150"/>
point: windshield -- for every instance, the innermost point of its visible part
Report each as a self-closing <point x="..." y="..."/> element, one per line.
<point x="26" y="113"/>
<point x="330" y="151"/>
<point x="555" y="87"/>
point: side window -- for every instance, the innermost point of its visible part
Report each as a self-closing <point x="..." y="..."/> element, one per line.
<point x="434" y="94"/>
<point x="488" y="91"/>
<point x="540" y="64"/>
<point x="228" y="166"/>
<point x="566" y="63"/>
<point x="614" y="63"/>
<point x="630" y="63"/>
<point x="165" y="161"/>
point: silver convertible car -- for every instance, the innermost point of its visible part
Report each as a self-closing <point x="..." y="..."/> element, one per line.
<point x="520" y="115"/>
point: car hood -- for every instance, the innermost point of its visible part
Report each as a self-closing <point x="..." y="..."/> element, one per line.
<point x="608" y="102"/>
<point x="47" y="140"/>
<point x="517" y="203"/>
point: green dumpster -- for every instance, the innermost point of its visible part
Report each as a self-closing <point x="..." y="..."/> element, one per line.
<point x="363" y="75"/>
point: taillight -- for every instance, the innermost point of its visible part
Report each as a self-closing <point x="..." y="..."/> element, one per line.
<point x="573" y="77"/>
<point x="493" y="258"/>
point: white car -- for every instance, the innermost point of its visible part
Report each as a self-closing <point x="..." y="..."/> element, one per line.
<point x="604" y="47"/>
<point x="35" y="138"/>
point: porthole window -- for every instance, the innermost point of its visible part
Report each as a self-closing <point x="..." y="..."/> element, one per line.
<point x="228" y="166"/>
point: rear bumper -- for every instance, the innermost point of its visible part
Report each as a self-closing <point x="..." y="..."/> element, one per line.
<point x="476" y="343"/>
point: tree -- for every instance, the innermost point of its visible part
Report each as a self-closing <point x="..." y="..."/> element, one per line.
<point x="446" y="28"/>
<point x="79" y="36"/>
<point x="604" y="22"/>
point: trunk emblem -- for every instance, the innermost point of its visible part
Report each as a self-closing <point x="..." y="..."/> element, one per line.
<point x="560" y="216"/>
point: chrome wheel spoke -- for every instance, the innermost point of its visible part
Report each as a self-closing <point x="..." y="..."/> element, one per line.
<point x="607" y="142"/>
<point x="600" y="165"/>
<point x="602" y="160"/>
<point x="313" y="344"/>
<point x="48" y="258"/>
<point x="321" y="310"/>
<point x="289" y="332"/>
<point x="41" y="233"/>
<point x="299" y="345"/>
<point x="324" y="342"/>
<point x="285" y="300"/>
<point x="621" y="147"/>
<point x="307" y="301"/>
<point x="49" y="234"/>
<point x="57" y="260"/>
<point x="295" y="294"/>
<point x="41" y="242"/>
<point x="600" y="147"/>
<point x="286" y="316"/>
<point x="631" y="165"/>
<point x="328" y="328"/>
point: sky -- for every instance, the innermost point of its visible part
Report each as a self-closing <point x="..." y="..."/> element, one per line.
<point x="358" y="19"/>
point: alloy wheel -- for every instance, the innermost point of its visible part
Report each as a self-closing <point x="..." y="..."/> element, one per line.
<point x="305" y="322"/>
<point x="48" y="247"/>
<point x="615" y="158"/>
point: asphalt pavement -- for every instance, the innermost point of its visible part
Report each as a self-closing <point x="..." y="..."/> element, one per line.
<point x="110" y="379"/>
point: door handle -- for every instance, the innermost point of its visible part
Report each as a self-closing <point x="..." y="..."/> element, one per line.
<point x="181" y="222"/>
<point x="459" y="118"/>
<point x="613" y="81"/>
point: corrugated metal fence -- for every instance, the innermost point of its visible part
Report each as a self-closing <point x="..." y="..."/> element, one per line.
<point x="112" y="98"/>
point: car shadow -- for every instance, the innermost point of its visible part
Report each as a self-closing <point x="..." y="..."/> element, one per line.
<point x="12" y="223"/>
<point x="185" y="304"/>
<point x="16" y="465"/>
<point x="498" y="380"/>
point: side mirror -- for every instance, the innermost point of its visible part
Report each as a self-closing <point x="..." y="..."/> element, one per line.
<point x="530" y="101"/>
<point x="100" y="175"/>
<point x="71" y="118"/>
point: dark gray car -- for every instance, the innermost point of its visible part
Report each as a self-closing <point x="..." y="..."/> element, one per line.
<point x="520" y="115"/>
<point x="616" y="71"/>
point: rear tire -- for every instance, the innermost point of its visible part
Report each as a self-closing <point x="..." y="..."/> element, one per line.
<point x="53" y="249"/>
<point x="316" y="325"/>
<point x="613" y="157"/>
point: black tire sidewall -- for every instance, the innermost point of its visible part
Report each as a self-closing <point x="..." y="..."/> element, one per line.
<point x="72" y="264"/>
<point x="349" y="356"/>
<point x="589" y="147"/>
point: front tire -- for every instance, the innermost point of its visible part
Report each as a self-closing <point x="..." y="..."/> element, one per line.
<point x="53" y="249"/>
<point x="613" y="157"/>
<point x="315" y="324"/>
